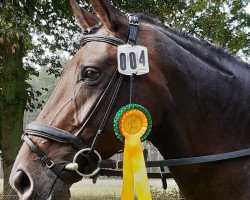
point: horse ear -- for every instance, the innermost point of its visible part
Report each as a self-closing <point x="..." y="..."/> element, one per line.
<point x="84" y="18"/>
<point x="111" y="16"/>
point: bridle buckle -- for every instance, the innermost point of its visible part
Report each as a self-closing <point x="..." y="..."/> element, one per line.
<point x="49" y="163"/>
<point x="133" y="20"/>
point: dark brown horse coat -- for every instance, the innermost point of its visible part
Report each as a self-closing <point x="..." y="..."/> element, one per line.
<point x="198" y="96"/>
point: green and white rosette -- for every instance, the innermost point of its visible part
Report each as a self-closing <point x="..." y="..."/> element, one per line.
<point x="132" y="119"/>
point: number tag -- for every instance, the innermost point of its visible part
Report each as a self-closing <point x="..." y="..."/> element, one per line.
<point x="132" y="60"/>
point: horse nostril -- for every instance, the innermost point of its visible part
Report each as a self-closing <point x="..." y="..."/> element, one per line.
<point x="22" y="182"/>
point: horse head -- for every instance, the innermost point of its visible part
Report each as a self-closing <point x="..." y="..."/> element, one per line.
<point x="197" y="94"/>
<point x="79" y="104"/>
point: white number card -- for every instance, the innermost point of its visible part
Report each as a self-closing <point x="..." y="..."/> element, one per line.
<point x="132" y="59"/>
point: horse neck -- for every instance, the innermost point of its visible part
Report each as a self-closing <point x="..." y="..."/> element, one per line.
<point x="208" y="111"/>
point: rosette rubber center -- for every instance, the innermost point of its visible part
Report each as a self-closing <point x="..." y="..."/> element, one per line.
<point x="133" y="122"/>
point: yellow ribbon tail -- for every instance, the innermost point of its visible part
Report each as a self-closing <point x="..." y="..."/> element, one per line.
<point x="134" y="170"/>
<point x="128" y="179"/>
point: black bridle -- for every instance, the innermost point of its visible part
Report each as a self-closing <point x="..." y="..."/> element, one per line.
<point x="61" y="136"/>
<point x="105" y="167"/>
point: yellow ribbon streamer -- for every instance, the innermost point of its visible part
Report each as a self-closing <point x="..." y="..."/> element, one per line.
<point x="134" y="169"/>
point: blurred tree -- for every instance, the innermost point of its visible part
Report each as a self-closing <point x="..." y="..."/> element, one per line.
<point x="224" y="22"/>
<point x="27" y="28"/>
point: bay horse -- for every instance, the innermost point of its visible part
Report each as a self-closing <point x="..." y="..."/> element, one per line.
<point x="198" y="96"/>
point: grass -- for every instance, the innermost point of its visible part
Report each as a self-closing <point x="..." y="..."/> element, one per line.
<point x="157" y="194"/>
<point x="1" y="189"/>
<point x="101" y="190"/>
<point x="111" y="190"/>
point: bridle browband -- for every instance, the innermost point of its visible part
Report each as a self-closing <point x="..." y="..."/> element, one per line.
<point x="105" y="167"/>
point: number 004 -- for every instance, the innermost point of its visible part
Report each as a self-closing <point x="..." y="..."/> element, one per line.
<point x="132" y="60"/>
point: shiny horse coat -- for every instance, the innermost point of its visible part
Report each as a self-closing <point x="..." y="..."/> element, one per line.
<point x="198" y="96"/>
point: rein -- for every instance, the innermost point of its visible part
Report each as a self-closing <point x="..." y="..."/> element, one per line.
<point x="189" y="160"/>
<point x="96" y="165"/>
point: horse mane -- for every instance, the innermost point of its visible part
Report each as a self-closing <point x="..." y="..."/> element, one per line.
<point x="221" y="63"/>
<point x="206" y="44"/>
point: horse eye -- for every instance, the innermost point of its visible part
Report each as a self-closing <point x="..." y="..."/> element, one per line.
<point x="90" y="74"/>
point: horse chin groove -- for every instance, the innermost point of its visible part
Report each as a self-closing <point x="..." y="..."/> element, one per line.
<point x="59" y="190"/>
<point x="64" y="195"/>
